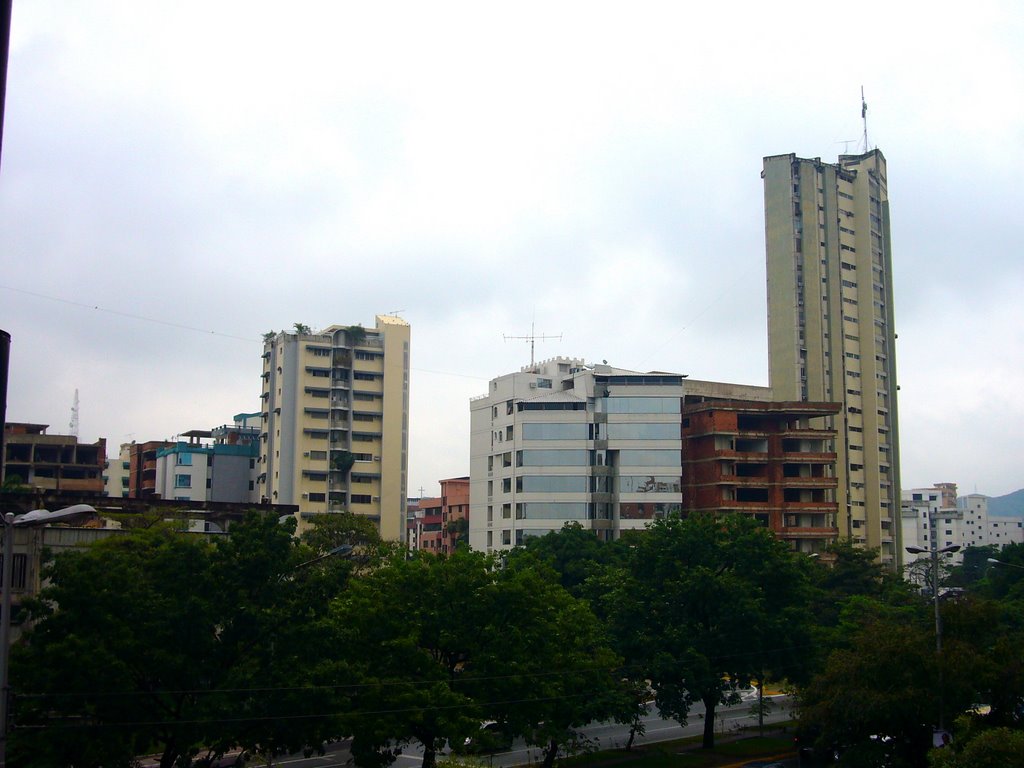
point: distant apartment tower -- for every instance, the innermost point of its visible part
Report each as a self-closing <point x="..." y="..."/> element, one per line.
<point x="335" y="422"/>
<point x="830" y="324"/>
<point x="612" y="449"/>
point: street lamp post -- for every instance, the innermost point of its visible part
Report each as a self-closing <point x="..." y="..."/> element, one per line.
<point x="32" y="519"/>
<point x="1003" y="562"/>
<point x="933" y="552"/>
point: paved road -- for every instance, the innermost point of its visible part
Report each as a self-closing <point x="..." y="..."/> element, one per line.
<point x="602" y="736"/>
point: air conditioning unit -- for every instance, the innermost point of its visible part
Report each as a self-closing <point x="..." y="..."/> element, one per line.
<point x="376" y="458"/>
<point x="305" y="495"/>
<point x="376" y="498"/>
<point x="305" y="455"/>
<point x="533" y="385"/>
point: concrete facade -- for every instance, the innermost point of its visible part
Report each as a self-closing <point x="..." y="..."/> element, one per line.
<point x="142" y="468"/>
<point x="212" y="465"/>
<point x="52" y="462"/>
<point x="335" y="422"/>
<point x="963" y="521"/>
<point x="430" y="528"/>
<point x="117" y="472"/>
<point x="769" y="460"/>
<point x="831" y="332"/>
<point x="612" y="449"/>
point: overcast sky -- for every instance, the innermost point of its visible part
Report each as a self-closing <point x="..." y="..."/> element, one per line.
<point x="180" y="177"/>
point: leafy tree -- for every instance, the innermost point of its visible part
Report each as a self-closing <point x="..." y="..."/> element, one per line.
<point x="410" y="631"/>
<point x="576" y="554"/>
<point x="356" y="335"/>
<point x="156" y="639"/>
<point x="994" y="748"/>
<point x="128" y="661"/>
<point x="327" y="532"/>
<point x="458" y="529"/>
<point x="302" y="329"/>
<point x="879" y="695"/>
<point x="546" y="668"/>
<point x="707" y="605"/>
<point x="973" y="567"/>
<point x="273" y="597"/>
<point x="1006" y="582"/>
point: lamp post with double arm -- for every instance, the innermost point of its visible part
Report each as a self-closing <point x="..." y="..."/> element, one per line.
<point x="933" y="552"/>
<point x="33" y="519"/>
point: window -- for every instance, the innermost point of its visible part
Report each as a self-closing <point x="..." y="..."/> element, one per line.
<point x="317" y="497"/>
<point x="184" y="459"/>
<point x="638" y="405"/>
<point x="19" y="567"/>
<point x="552" y="510"/>
<point x="649" y="458"/>
<point x="553" y="458"/>
<point x="555" y="431"/>
<point x="361" y="498"/>
<point x="669" y="431"/>
<point x="183" y="481"/>
<point x="649" y="484"/>
<point x="552" y="484"/>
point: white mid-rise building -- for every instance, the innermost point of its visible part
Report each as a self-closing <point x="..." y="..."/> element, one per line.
<point x="547" y="441"/>
<point x="116" y="473"/>
<point x="982" y="529"/>
<point x="965" y="521"/>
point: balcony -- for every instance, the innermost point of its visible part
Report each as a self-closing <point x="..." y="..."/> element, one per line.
<point x="798" y="458"/>
<point x="810" y="482"/>
<point x="807" y="532"/>
<point x="741" y="480"/>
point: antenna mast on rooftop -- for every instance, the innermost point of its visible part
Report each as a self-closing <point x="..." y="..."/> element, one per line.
<point x="532" y="338"/>
<point x="864" y="117"/>
<point x="73" y="424"/>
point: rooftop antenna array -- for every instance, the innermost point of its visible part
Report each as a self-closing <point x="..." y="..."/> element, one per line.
<point x="73" y="424"/>
<point x="532" y="337"/>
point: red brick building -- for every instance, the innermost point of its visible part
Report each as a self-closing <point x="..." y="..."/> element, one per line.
<point x="772" y="460"/>
<point x="142" y="468"/>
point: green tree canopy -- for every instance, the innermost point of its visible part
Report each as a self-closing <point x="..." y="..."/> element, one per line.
<point x="707" y="605"/>
<point x="159" y="640"/>
<point x="129" y="659"/>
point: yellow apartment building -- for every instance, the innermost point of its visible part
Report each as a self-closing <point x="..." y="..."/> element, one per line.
<point x="831" y="332"/>
<point x="335" y="422"/>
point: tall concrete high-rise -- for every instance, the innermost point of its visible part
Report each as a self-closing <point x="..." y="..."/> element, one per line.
<point x="335" y="422"/>
<point x="830" y="324"/>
